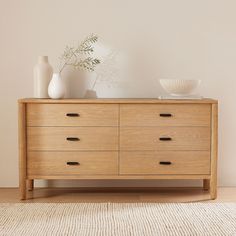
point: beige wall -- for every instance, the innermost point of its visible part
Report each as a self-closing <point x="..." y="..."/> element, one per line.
<point x="166" y="38"/>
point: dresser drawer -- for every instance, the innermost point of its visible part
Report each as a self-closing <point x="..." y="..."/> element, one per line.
<point x="72" y="115"/>
<point x="164" y="163"/>
<point x="72" y="163"/>
<point x="72" y="138"/>
<point x="164" y="138"/>
<point x="165" y="114"/>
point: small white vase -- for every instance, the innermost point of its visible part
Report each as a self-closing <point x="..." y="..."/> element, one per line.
<point x="42" y="76"/>
<point x="56" y="88"/>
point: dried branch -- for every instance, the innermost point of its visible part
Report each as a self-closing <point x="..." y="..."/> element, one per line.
<point x="73" y="56"/>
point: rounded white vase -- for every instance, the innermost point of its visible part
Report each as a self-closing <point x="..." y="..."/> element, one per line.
<point x="42" y="75"/>
<point x="56" y="88"/>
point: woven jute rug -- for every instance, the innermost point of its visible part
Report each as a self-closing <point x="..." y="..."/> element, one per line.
<point x="111" y="219"/>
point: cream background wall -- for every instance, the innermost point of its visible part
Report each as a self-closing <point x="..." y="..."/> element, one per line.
<point x="165" y="38"/>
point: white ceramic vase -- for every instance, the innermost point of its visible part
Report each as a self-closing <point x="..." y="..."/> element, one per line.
<point x="42" y="76"/>
<point x="56" y="88"/>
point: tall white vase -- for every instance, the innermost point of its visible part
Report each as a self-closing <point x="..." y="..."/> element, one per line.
<point x="56" y="88"/>
<point x="42" y="75"/>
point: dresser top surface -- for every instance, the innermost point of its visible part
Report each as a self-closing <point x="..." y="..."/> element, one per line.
<point x="119" y="101"/>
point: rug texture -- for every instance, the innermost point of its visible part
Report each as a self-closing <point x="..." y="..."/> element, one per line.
<point x="111" y="219"/>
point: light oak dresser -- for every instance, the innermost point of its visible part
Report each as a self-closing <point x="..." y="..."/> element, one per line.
<point x="118" y="139"/>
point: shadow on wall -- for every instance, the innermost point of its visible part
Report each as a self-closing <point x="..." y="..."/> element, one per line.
<point x="118" y="183"/>
<point x="120" y="74"/>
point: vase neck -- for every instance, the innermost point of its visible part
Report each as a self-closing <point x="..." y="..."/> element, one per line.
<point x="43" y="59"/>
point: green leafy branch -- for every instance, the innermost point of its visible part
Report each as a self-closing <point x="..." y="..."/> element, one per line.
<point x="74" y="56"/>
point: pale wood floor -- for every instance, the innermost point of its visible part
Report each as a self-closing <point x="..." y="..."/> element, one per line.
<point x="118" y="195"/>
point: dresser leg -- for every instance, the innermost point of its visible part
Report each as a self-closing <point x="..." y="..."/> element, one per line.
<point x="206" y="184"/>
<point x="213" y="188"/>
<point x="214" y="152"/>
<point x="30" y="184"/>
<point x="22" y="150"/>
<point x="22" y="189"/>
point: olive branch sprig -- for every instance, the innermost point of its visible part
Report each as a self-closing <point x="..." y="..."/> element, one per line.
<point x="75" y="56"/>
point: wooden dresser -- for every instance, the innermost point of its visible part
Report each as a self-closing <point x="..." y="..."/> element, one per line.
<point x="117" y="139"/>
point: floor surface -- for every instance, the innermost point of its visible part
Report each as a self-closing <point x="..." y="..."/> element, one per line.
<point x="118" y="195"/>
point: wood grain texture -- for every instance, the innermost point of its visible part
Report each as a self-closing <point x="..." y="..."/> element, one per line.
<point x="182" y="162"/>
<point x="119" y="194"/>
<point x="149" y="115"/>
<point x="214" y="151"/>
<point x="22" y="149"/>
<point x="55" y="138"/>
<point x="147" y="138"/>
<point x="88" y="115"/>
<point x="55" y="163"/>
<point x="106" y="128"/>
<point x="119" y="177"/>
<point x="118" y="101"/>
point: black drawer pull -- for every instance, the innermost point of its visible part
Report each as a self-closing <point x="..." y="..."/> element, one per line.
<point x="72" y="139"/>
<point x="165" y="139"/>
<point x="73" y="163"/>
<point x="165" y="163"/>
<point x="72" y="114"/>
<point x="165" y="115"/>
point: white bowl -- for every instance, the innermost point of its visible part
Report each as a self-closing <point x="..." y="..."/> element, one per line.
<point x="179" y="87"/>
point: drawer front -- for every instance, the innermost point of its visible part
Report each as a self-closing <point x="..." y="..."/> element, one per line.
<point x="72" y="115"/>
<point x="165" y="115"/>
<point x="164" y="138"/>
<point x="164" y="163"/>
<point x="72" y="163"/>
<point x="72" y="138"/>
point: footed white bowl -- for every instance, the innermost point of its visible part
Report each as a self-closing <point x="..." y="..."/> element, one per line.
<point x="179" y="87"/>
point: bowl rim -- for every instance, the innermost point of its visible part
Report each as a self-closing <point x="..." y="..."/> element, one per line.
<point x="197" y="80"/>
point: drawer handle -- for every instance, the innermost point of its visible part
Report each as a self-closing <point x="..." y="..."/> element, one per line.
<point x="72" y="114"/>
<point x="165" y="115"/>
<point x="72" y="139"/>
<point x="73" y="163"/>
<point x="165" y="163"/>
<point x="165" y="139"/>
